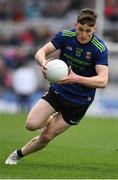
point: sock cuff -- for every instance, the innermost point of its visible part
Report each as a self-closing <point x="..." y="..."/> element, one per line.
<point x="19" y="152"/>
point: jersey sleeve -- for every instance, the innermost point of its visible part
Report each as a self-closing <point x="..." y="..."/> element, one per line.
<point x="102" y="57"/>
<point x="57" y="40"/>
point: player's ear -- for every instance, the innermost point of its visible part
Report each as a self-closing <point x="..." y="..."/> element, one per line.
<point x="94" y="28"/>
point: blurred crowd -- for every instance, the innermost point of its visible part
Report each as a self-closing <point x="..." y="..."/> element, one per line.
<point x="111" y="15"/>
<point x="21" y="82"/>
<point x="20" y="10"/>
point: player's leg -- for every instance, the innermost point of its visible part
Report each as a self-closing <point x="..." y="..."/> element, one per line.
<point x="38" y="118"/>
<point x="39" y="115"/>
<point x="57" y="126"/>
<point x="32" y="145"/>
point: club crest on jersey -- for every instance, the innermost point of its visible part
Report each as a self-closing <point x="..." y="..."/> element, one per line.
<point x="88" y="55"/>
<point x="79" y="52"/>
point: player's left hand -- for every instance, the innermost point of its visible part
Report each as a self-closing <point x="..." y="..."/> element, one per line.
<point x="71" y="78"/>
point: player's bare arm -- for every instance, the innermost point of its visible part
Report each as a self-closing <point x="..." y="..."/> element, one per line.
<point x="42" y="54"/>
<point x="98" y="81"/>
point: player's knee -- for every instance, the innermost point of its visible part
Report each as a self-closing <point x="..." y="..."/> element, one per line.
<point x="30" y="126"/>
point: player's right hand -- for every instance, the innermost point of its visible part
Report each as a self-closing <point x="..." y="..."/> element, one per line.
<point x="44" y="67"/>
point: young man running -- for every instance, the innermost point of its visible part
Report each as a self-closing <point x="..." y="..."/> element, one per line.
<point x="87" y="56"/>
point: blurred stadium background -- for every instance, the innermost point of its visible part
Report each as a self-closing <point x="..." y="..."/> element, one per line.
<point x="25" y="25"/>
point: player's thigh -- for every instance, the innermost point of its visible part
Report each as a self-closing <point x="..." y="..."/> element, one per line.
<point x="40" y="113"/>
<point x="57" y="126"/>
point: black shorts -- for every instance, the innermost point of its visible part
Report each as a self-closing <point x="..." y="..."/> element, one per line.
<point x="71" y="112"/>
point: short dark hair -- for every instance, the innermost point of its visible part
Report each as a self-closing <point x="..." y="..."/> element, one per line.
<point x="87" y="16"/>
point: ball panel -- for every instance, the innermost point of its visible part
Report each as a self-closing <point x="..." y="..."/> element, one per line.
<point x="57" y="74"/>
<point x="56" y="70"/>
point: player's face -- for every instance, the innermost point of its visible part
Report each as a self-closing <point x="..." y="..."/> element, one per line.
<point x="84" y="32"/>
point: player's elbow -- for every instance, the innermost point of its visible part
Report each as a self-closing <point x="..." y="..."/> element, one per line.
<point x="103" y="83"/>
<point x="36" y="56"/>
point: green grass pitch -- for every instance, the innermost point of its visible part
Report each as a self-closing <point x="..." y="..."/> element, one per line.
<point x="86" y="151"/>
